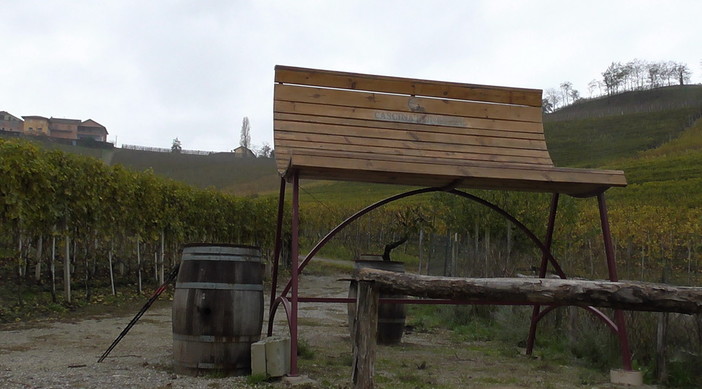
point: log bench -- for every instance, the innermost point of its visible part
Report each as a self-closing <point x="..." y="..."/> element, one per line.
<point x="438" y="136"/>
<point x="636" y="296"/>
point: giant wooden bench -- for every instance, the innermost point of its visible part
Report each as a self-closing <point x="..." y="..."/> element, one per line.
<point x="430" y="134"/>
<point x="355" y="127"/>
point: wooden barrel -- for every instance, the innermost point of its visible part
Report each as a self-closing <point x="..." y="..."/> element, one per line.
<point x="391" y="317"/>
<point x="217" y="309"/>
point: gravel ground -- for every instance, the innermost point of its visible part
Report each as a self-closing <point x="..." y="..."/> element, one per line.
<point x="64" y="354"/>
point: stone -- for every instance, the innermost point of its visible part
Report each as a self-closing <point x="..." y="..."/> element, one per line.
<point x="277" y="356"/>
<point x="258" y="358"/>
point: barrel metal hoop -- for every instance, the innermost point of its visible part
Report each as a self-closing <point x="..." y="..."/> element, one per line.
<point x="216" y="339"/>
<point x="222" y="258"/>
<point x="219" y="286"/>
<point x="229" y="367"/>
<point x="222" y="250"/>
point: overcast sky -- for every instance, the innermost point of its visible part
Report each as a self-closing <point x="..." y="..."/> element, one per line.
<point x="152" y="70"/>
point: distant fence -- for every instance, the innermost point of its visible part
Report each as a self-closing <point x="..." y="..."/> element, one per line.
<point x="162" y="150"/>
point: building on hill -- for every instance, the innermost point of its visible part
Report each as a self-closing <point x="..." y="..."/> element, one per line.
<point x="63" y="128"/>
<point x="243" y="152"/>
<point x="10" y="123"/>
<point x="35" y="125"/>
<point x="56" y="128"/>
<point x="90" y="129"/>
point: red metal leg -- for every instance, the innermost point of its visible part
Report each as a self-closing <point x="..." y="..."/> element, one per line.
<point x="276" y="255"/>
<point x="535" y="314"/>
<point x="294" y="272"/>
<point x="612" y="267"/>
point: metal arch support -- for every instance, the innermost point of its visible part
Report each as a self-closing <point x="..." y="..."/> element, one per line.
<point x="609" y="322"/>
<point x="543" y="247"/>
<point x="286" y="307"/>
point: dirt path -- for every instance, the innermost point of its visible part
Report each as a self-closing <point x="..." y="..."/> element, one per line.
<point x="64" y="355"/>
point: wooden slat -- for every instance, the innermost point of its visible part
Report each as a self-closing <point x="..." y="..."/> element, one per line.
<point x="575" y="189"/>
<point x="472" y="169"/>
<point x="406" y="103"/>
<point x="418" y="137"/>
<point x="282" y="135"/>
<point x="458" y="157"/>
<point x="384" y="119"/>
<point x="569" y="181"/>
<point x="345" y="80"/>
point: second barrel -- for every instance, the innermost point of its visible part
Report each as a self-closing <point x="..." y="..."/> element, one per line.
<point x="391" y="317"/>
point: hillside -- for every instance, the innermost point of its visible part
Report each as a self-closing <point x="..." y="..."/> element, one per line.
<point x="223" y="171"/>
<point x="595" y="132"/>
<point x="668" y="175"/>
<point x="650" y="100"/>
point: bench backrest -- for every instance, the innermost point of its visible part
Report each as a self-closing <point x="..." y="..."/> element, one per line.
<point x="374" y="117"/>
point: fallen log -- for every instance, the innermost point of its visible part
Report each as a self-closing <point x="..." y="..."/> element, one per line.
<point x="629" y="295"/>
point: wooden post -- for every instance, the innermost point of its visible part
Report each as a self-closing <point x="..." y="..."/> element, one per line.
<point x="37" y="269"/>
<point x="53" y="266"/>
<point x="67" y="270"/>
<point x="109" y="259"/>
<point x="138" y="263"/>
<point x="421" y="239"/>
<point x="364" y="334"/>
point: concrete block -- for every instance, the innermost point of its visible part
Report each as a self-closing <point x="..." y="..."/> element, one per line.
<point x="277" y="356"/>
<point x="258" y="358"/>
<point x="626" y="377"/>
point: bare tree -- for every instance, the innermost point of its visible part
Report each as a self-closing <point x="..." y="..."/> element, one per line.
<point x="554" y="97"/>
<point x="546" y="106"/>
<point x="176" y="147"/>
<point x="669" y="71"/>
<point x="566" y="88"/>
<point x="637" y="73"/>
<point x="655" y="73"/>
<point x="594" y="85"/>
<point x="613" y="77"/>
<point x="245" y="133"/>
<point x="264" y="151"/>
<point x="574" y="95"/>
<point x="683" y="73"/>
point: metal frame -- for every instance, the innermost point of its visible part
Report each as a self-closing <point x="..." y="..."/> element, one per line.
<point x="290" y="304"/>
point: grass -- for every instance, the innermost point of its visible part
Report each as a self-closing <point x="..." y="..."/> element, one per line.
<point x="304" y="351"/>
<point x="255" y="379"/>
